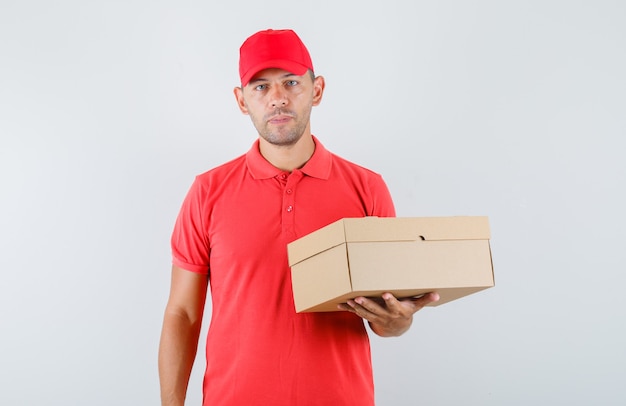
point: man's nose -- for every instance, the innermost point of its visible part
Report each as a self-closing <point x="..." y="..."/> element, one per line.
<point x="278" y="97"/>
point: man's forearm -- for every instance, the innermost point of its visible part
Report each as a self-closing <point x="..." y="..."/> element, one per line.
<point x="177" y="352"/>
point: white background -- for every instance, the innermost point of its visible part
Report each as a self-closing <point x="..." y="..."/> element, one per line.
<point x="514" y="110"/>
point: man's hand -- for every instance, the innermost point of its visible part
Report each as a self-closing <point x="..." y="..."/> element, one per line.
<point x="390" y="317"/>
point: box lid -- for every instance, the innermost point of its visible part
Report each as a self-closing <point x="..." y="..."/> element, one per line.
<point x="370" y="229"/>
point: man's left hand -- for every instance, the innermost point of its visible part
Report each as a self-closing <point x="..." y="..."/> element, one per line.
<point x="390" y="317"/>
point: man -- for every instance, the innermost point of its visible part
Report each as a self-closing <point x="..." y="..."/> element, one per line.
<point x="233" y="229"/>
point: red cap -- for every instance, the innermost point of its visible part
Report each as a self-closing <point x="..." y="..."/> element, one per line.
<point x="273" y="49"/>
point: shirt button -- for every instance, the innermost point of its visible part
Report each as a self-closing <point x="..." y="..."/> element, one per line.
<point x="288" y="191"/>
<point x="289" y="208"/>
<point x="283" y="176"/>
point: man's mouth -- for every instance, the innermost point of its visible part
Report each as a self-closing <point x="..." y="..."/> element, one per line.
<point x="280" y="118"/>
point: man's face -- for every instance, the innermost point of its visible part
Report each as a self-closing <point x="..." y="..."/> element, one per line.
<point x="279" y="104"/>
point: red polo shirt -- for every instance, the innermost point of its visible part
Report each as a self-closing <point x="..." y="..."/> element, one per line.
<point x="234" y="225"/>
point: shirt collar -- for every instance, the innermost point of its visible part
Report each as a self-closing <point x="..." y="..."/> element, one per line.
<point x="318" y="166"/>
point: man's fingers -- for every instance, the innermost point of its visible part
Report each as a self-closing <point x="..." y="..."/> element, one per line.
<point x="366" y="307"/>
<point x="426" y="299"/>
<point x="416" y="302"/>
<point x="363" y="307"/>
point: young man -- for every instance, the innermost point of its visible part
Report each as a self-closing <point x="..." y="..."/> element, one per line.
<point x="232" y="231"/>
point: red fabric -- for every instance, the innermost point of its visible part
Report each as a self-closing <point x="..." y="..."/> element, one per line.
<point x="273" y="49"/>
<point x="235" y="224"/>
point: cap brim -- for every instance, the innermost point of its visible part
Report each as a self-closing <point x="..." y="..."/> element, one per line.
<point x="290" y="66"/>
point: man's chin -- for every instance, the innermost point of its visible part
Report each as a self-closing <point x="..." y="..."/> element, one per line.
<point x="282" y="141"/>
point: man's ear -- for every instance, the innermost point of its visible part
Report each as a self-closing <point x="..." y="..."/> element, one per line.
<point x="240" y="100"/>
<point x="318" y="89"/>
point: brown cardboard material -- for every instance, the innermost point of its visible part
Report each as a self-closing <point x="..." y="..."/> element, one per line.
<point x="406" y="256"/>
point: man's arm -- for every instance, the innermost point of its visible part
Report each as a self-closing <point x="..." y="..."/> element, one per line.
<point x="179" y="337"/>
<point x="391" y="318"/>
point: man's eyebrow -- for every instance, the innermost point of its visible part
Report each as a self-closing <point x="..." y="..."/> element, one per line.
<point x="262" y="79"/>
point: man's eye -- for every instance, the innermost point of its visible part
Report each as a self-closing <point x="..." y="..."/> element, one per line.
<point x="260" y="87"/>
<point x="292" y="82"/>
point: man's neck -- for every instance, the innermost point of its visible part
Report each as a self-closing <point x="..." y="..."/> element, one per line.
<point x="288" y="157"/>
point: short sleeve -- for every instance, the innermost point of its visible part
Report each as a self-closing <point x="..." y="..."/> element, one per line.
<point x="189" y="241"/>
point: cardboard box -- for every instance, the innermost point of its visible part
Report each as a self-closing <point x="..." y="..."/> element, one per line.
<point x="405" y="256"/>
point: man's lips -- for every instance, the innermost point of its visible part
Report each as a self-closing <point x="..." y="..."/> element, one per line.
<point x="279" y="119"/>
